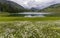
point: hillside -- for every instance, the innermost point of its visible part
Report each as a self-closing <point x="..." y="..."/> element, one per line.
<point x="53" y="8"/>
<point x="10" y="6"/>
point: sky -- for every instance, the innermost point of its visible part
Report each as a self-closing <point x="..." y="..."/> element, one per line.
<point x="35" y="3"/>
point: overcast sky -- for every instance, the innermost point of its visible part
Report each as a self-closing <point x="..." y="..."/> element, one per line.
<point x="34" y="3"/>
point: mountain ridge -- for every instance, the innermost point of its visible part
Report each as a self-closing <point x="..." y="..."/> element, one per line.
<point x="51" y="8"/>
<point x="10" y="6"/>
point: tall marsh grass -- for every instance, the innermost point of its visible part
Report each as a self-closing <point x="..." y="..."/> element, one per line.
<point x="27" y="29"/>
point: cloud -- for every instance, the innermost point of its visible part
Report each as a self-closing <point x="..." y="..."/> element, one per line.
<point x="34" y="3"/>
<point x="26" y="1"/>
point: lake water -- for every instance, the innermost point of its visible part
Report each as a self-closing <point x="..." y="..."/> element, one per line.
<point x="33" y="14"/>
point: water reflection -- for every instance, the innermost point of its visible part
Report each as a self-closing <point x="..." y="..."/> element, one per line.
<point x="33" y="14"/>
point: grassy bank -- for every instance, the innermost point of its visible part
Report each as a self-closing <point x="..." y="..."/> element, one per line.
<point x="29" y="19"/>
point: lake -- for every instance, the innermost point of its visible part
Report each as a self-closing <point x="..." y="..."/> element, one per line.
<point x="32" y="14"/>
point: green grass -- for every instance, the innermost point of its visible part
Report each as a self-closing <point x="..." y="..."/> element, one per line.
<point x="24" y="27"/>
<point x="27" y="29"/>
<point x="29" y="19"/>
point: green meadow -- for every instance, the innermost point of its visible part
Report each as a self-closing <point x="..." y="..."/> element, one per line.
<point x="29" y="18"/>
<point x="26" y="27"/>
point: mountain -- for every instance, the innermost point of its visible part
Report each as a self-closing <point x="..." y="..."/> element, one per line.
<point x="33" y="9"/>
<point x="39" y="4"/>
<point x="10" y="6"/>
<point x="52" y="8"/>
